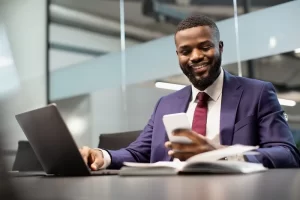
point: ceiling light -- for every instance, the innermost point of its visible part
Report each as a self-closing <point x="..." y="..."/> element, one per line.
<point x="297" y="50"/>
<point x="286" y="102"/>
<point x="169" y="86"/>
<point x="272" y="42"/>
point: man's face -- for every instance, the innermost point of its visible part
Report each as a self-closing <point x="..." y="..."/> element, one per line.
<point x="199" y="54"/>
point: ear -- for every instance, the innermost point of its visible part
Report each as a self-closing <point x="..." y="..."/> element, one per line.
<point x="177" y="52"/>
<point x="221" y="45"/>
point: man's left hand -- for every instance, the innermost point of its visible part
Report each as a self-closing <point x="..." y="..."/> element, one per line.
<point x="200" y="144"/>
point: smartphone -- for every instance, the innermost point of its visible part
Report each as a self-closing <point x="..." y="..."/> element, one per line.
<point x="175" y="121"/>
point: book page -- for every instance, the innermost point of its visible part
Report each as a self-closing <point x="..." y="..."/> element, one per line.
<point x="175" y="165"/>
<point x="221" y="153"/>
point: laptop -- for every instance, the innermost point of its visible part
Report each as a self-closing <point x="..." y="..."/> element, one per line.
<point x="53" y="143"/>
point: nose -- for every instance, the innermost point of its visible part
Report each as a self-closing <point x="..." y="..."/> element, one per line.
<point x="196" y="56"/>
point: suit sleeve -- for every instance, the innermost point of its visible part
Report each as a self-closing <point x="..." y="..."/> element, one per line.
<point x="277" y="146"/>
<point x="137" y="151"/>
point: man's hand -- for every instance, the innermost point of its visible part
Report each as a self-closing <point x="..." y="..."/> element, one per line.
<point x="92" y="157"/>
<point x="200" y="144"/>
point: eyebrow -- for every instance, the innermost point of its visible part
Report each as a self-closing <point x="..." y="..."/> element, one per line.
<point x="201" y="43"/>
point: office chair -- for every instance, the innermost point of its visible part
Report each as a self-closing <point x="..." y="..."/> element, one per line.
<point x="7" y="189"/>
<point x="26" y="159"/>
<point x="115" y="141"/>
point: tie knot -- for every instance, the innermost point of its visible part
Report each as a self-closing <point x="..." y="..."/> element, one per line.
<point x="202" y="97"/>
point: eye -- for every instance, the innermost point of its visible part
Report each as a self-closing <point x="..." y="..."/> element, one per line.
<point x="185" y="52"/>
<point x="206" y="48"/>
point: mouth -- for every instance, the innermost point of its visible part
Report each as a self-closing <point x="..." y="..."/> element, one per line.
<point x="200" y="68"/>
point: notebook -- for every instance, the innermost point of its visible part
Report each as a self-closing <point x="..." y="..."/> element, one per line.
<point x="208" y="162"/>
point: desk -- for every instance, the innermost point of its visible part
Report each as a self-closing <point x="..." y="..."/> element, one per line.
<point x="273" y="184"/>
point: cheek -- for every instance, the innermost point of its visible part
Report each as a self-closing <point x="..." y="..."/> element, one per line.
<point x="212" y="55"/>
<point x="183" y="60"/>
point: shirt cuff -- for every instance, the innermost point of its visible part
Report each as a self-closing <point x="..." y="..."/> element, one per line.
<point x="238" y="157"/>
<point x="106" y="159"/>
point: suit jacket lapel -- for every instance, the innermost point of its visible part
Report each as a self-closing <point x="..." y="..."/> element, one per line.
<point x="182" y="100"/>
<point x="231" y="95"/>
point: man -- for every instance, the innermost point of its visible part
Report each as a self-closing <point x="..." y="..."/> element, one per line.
<point x="223" y="110"/>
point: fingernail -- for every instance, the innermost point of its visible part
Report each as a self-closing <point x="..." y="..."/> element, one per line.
<point x="94" y="166"/>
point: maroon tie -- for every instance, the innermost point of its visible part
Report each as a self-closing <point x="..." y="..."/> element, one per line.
<point x="200" y="115"/>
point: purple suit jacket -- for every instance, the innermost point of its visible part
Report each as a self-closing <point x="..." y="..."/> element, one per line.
<point x="250" y="115"/>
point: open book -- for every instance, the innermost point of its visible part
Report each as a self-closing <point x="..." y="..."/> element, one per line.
<point x="208" y="162"/>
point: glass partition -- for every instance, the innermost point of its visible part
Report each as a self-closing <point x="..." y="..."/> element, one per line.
<point x="269" y="51"/>
<point x="107" y="57"/>
<point x="85" y="66"/>
<point x="153" y="63"/>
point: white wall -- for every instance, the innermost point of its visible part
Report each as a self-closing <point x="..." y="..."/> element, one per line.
<point x="139" y="68"/>
<point x="9" y="80"/>
<point x="108" y="114"/>
<point x="86" y="39"/>
<point x="60" y="58"/>
<point x="78" y="38"/>
<point x="76" y="112"/>
<point x="26" y="29"/>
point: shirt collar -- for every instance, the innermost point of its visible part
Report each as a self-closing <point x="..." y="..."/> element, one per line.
<point x="214" y="90"/>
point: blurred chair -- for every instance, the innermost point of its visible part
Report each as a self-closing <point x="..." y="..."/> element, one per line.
<point x="115" y="141"/>
<point x="7" y="189"/>
<point x="26" y="159"/>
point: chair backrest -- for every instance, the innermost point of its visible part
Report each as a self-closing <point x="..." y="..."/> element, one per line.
<point x="7" y="189"/>
<point x="115" y="141"/>
<point x="26" y="159"/>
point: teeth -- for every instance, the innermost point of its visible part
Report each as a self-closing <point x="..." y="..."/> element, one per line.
<point x="200" y="66"/>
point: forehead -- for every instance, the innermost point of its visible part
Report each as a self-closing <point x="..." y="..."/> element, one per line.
<point x="199" y="34"/>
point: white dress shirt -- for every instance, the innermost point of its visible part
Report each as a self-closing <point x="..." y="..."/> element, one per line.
<point x="214" y="91"/>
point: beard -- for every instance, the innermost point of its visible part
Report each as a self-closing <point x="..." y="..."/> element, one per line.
<point x="203" y="83"/>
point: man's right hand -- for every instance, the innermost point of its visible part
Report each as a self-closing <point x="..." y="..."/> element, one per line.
<point x="92" y="157"/>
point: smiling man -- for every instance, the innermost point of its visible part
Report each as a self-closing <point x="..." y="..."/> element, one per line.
<point x="223" y="110"/>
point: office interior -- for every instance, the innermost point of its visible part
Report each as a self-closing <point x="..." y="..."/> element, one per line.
<point x="105" y="63"/>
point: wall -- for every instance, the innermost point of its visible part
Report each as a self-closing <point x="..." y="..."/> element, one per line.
<point x="109" y="116"/>
<point x="26" y="29"/>
<point x="145" y="62"/>
<point x="76" y="112"/>
<point x="71" y="45"/>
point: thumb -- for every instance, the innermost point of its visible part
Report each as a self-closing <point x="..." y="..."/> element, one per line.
<point x="97" y="160"/>
<point x="94" y="166"/>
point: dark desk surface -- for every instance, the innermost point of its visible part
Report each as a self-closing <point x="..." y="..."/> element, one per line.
<point x="273" y="184"/>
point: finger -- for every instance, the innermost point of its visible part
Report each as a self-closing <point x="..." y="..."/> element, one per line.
<point x="98" y="161"/>
<point x="184" y="147"/>
<point x="90" y="157"/>
<point x="195" y="137"/>
<point x="94" y="165"/>
<point x="182" y="156"/>
<point x="85" y="153"/>
<point x="168" y="144"/>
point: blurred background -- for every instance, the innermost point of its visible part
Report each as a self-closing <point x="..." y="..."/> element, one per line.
<point x="105" y="63"/>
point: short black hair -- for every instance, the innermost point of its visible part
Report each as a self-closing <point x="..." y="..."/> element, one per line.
<point x="198" y="20"/>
